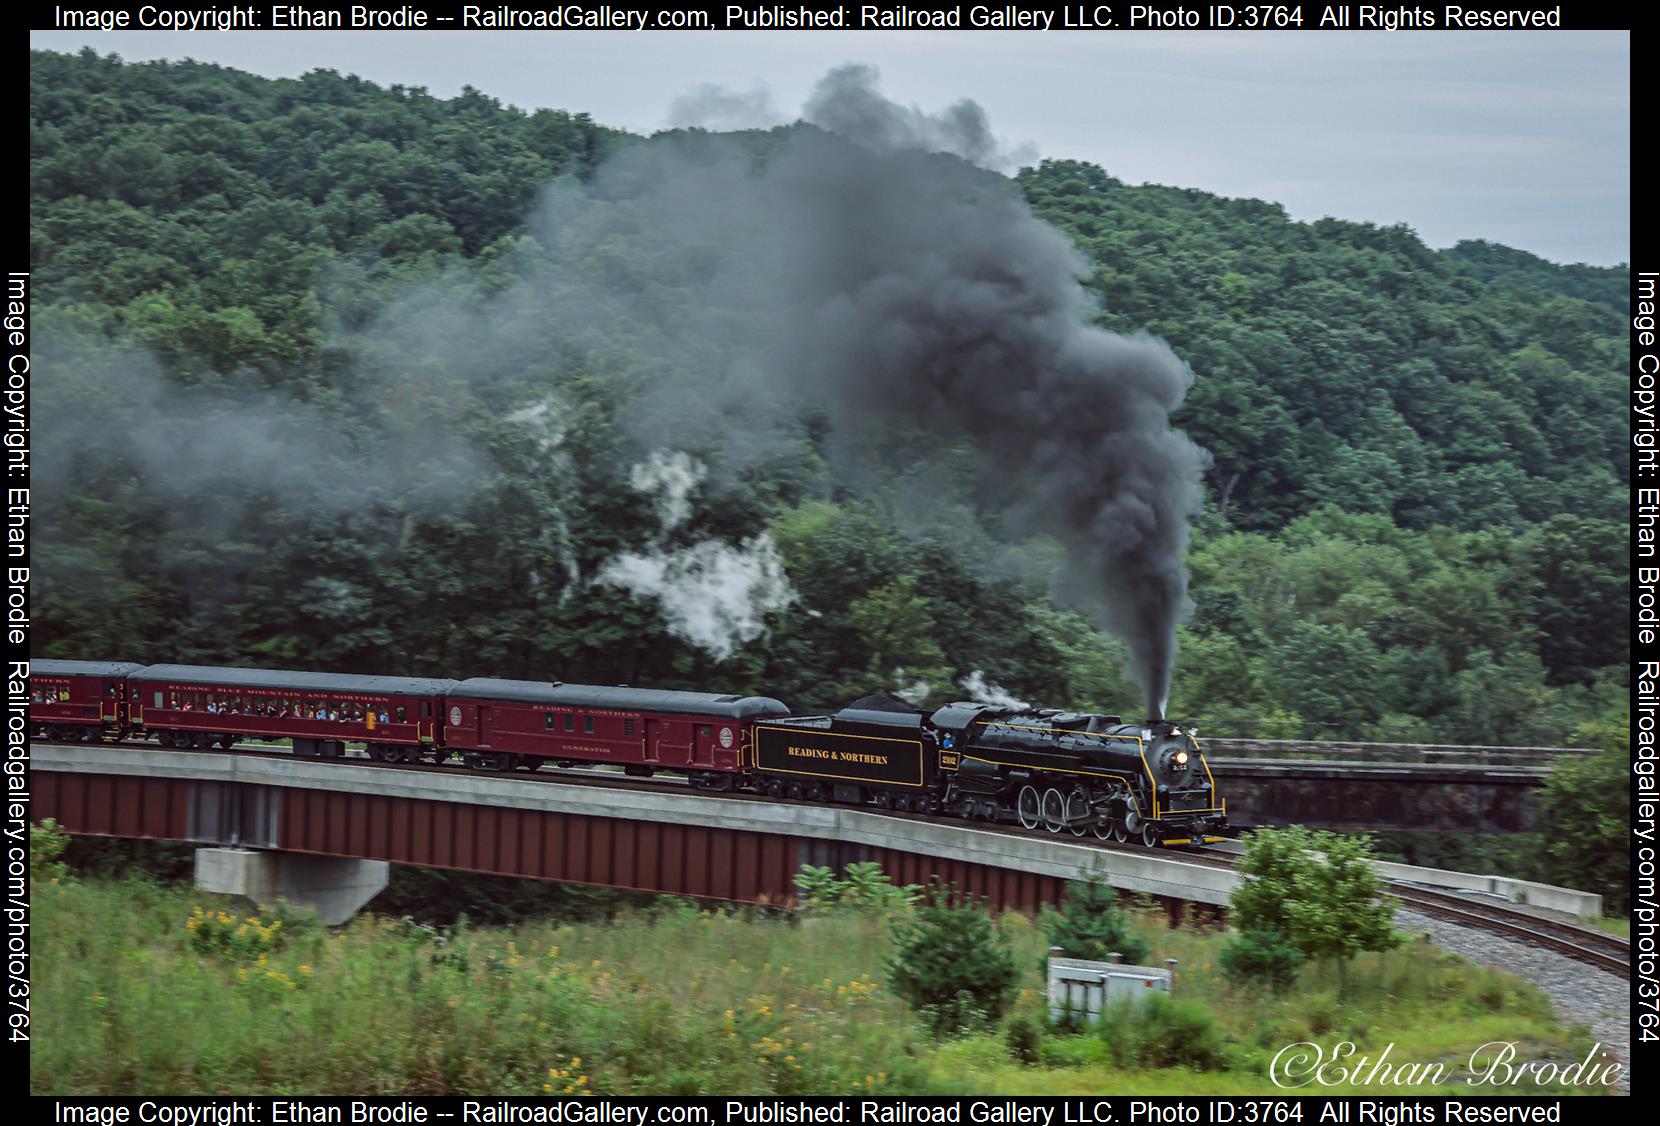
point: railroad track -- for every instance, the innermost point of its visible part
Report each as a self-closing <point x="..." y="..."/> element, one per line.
<point x="1604" y="951"/>
<point x="615" y="779"/>
<point x="1596" y="948"/>
<point x="1593" y="947"/>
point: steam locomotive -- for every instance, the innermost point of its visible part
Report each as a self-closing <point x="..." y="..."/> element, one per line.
<point x="1066" y="772"/>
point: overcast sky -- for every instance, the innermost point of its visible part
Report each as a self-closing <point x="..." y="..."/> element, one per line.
<point x="1521" y="138"/>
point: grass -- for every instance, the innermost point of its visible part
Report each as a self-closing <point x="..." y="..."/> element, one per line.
<point x="1609" y="924"/>
<point x="144" y="988"/>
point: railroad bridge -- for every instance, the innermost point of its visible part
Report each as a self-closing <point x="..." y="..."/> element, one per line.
<point x="322" y="831"/>
<point x="1354" y="785"/>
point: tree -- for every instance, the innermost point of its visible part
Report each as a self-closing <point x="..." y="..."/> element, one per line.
<point x="1585" y="808"/>
<point x="1090" y="926"/>
<point x="1316" y="891"/>
<point x="952" y="964"/>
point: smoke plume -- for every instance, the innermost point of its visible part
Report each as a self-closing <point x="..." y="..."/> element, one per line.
<point x="722" y="110"/>
<point x="917" y="303"/>
<point x="865" y="270"/>
<point x="847" y="102"/>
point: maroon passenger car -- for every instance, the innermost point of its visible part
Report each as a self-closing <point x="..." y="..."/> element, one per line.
<point x="395" y="717"/>
<point x="78" y="701"/>
<point x="502" y="724"/>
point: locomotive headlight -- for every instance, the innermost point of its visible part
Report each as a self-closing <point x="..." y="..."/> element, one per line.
<point x="1181" y="758"/>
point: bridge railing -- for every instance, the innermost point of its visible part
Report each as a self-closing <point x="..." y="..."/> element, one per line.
<point x="1428" y="753"/>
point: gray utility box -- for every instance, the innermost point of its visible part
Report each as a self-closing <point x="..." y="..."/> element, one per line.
<point x="1084" y="989"/>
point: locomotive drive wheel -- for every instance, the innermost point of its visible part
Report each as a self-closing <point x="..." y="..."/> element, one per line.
<point x="1119" y="833"/>
<point x="1077" y="812"/>
<point x="1103" y="828"/>
<point x="1054" y="810"/>
<point x="1030" y="807"/>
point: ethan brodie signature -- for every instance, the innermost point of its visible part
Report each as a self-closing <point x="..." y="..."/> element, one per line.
<point x="1494" y="1064"/>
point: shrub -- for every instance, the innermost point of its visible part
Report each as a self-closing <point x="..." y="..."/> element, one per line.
<point x="866" y="888"/>
<point x="952" y="965"/>
<point x="1261" y="955"/>
<point x="1024" y="1036"/>
<point x="1089" y="925"/>
<point x="1162" y="1031"/>
<point x="46" y="844"/>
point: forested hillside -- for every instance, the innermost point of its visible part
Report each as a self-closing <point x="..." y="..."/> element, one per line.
<point x="302" y="399"/>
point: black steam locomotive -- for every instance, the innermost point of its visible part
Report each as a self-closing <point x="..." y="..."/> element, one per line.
<point x="1063" y="771"/>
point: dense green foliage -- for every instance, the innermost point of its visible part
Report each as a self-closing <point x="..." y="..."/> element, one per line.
<point x="1586" y="810"/>
<point x="1315" y="891"/>
<point x="1350" y="365"/>
<point x="1414" y="527"/>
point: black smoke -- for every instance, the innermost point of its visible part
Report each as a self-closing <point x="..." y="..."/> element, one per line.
<point x="856" y="268"/>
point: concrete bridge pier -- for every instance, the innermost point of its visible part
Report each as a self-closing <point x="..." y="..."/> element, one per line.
<point x="337" y="887"/>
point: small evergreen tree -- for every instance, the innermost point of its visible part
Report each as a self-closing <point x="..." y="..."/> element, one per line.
<point x="952" y="965"/>
<point x="1090" y="926"/>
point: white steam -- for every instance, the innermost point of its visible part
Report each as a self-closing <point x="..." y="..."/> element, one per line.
<point x="912" y="692"/>
<point x="544" y="421"/>
<point x="982" y="691"/>
<point x="672" y="477"/>
<point x="712" y="594"/>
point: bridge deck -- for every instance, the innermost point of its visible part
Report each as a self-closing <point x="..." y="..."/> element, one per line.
<point x="664" y="840"/>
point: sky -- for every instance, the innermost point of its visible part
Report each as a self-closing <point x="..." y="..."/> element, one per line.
<point x="1520" y="138"/>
